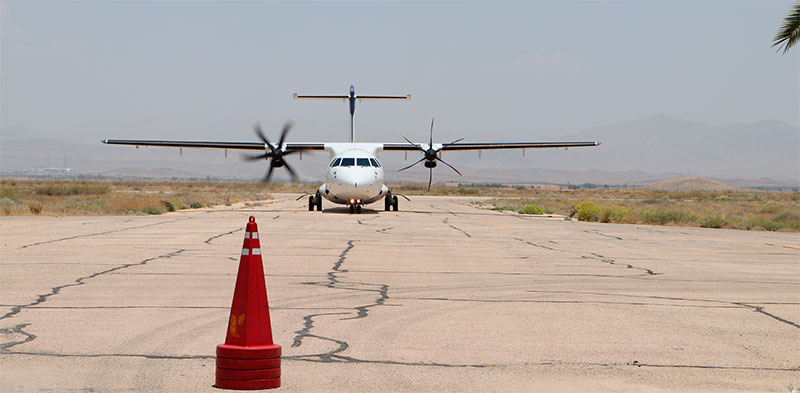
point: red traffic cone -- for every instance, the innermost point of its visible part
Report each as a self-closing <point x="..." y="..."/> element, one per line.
<point x="249" y="359"/>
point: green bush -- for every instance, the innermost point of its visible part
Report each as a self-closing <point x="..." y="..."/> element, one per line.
<point x="532" y="209"/>
<point x="766" y="224"/>
<point x="196" y="205"/>
<point x="588" y="211"/>
<point x="663" y="216"/>
<point x="153" y="210"/>
<point x="713" y="222"/>
<point x="173" y="205"/>
<point x="614" y="214"/>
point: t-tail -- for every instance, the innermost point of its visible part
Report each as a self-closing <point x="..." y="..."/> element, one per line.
<point x="351" y="98"/>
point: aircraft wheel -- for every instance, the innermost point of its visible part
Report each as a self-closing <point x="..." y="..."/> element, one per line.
<point x="311" y="203"/>
<point x="358" y="209"/>
<point x="394" y="203"/>
<point x="352" y="209"/>
<point x="319" y="202"/>
<point x="387" y="202"/>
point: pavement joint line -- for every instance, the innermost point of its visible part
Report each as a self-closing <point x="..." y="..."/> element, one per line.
<point x="4" y="346"/>
<point x="105" y="233"/>
<point x="596" y="232"/>
<point x="347" y="359"/>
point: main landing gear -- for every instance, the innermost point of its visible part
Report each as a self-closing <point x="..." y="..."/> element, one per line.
<point x="355" y="209"/>
<point x="390" y="202"/>
<point x="315" y="201"/>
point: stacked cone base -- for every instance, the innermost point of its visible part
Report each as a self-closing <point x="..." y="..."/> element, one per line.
<point x="248" y="368"/>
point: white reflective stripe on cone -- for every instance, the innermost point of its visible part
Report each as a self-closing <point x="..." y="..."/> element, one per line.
<point x="245" y="251"/>
<point x="256" y="251"/>
<point x="255" y="235"/>
<point x="247" y="235"/>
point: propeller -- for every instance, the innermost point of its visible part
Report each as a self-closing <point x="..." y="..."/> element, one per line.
<point x="431" y="155"/>
<point x="273" y="153"/>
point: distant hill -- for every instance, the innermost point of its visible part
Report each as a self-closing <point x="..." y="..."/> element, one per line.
<point x="665" y="144"/>
<point x="691" y="183"/>
<point x="638" y="152"/>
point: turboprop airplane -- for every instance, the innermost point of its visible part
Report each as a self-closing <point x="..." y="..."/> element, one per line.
<point x="355" y="175"/>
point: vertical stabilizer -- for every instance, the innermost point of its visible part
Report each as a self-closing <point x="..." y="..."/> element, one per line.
<point x="351" y="99"/>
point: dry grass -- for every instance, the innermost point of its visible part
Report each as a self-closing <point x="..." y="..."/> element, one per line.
<point x="81" y="197"/>
<point x="751" y="210"/>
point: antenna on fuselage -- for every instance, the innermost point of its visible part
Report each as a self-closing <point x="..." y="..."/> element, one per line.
<point x="351" y="98"/>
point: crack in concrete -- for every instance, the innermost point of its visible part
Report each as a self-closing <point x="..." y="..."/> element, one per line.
<point x="596" y="232"/>
<point x="445" y="221"/>
<point x="208" y="241"/>
<point x="598" y="257"/>
<point x="56" y="290"/>
<point x="103" y="233"/>
<point x="334" y="282"/>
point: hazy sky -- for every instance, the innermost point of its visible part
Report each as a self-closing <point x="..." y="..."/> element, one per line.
<point x="487" y="71"/>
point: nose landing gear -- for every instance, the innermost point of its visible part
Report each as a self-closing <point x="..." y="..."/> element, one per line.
<point x="390" y="202"/>
<point x="355" y="209"/>
<point x="315" y="201"/>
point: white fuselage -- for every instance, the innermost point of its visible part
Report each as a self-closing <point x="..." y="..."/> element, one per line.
<point x="355" y="175"/>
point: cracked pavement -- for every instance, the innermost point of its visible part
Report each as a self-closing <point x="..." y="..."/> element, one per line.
<point x="439" y="296"/>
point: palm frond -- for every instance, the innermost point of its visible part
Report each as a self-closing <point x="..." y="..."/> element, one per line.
<point x="790" y="30"/>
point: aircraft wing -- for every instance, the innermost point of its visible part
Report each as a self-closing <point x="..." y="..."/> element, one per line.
<point x="212" y="145"/>
<point x="487" y="146"/>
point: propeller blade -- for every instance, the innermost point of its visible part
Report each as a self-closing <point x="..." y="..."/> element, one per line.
<point x="247" y="157"/>
<point x="453" y="142"/>
<point x="431" y="142"/>
<point x="451" y="167"/>
<point x="268" y="176"/>
<point x="260" y="134"/>
<point x="291" y="171"/>
<point x="412" y="143"/>
<point x="420" y="160"/>
<point x="430" y="178"/>
<point x="286" y="127"/>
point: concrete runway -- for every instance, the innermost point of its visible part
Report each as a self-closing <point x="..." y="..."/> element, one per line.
<point x="440" y="296"/>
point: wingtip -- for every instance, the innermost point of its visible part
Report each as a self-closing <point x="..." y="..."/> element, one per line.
<point x="598" y="143"/>
<point x="104" y="141"/>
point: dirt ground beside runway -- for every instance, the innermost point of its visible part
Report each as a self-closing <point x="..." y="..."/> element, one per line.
<point x="439" y="296"/>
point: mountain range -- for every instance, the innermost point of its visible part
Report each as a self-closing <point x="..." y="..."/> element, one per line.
<point x="764" y="153"/>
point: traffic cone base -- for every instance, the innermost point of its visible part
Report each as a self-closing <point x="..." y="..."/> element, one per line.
<point x="248" y="364"/>
<point x="254" y="352"/>
<point x="227" y="373"/>
<point x="248" y="384"/>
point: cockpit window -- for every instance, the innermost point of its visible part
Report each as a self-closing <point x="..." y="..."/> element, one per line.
<point x="348" y="161"/>
<point x="336" y="162"/>
<point x="375" y="162"/>
<point x="362" y="161"/>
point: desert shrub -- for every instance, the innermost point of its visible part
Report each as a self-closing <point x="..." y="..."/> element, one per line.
<point x="613" y="214"/>
<point x="588" y="211"/>
<point x="172" y="205"/>
<point x="467" y="191"/>
<point x="502" y="208"/>
<point x="764" y="224"/>
<point x="153" y="210"/>
<point x="713" y="222"/>
<point x="664" y="216"/>
<point x="532" y="209"/>
<point x="196" y="205"/>
<point x="8" y="192"/>
<point x="786" y="217"/>
<point x="35" y="207"/>
<point x="72" y="189"/>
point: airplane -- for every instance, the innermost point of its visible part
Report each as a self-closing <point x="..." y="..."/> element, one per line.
<point x="355" y="176"/>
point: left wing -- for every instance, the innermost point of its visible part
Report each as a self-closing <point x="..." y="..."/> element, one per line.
<point x="213" y="145"/>
<point x="485" y="146"/>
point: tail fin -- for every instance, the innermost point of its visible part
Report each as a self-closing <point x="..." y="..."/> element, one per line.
<point x="352" y="97"/>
